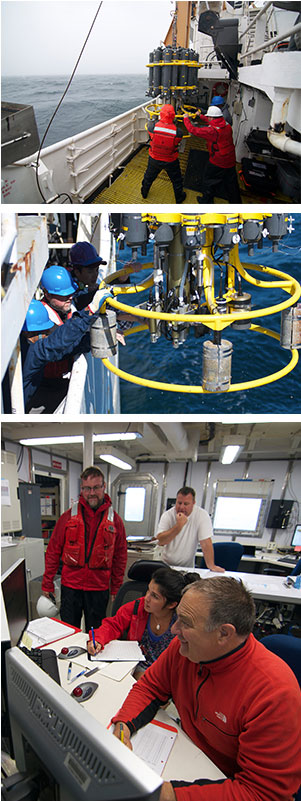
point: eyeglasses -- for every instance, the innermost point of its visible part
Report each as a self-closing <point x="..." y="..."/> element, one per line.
<point x="86" y="488"/>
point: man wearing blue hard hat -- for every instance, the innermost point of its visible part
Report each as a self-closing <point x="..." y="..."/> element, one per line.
<point x="58" y="292"/>
<point x="221" y="103"/>
<point x="48" y="351"/>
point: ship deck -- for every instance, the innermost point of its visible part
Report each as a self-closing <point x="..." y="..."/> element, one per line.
<point x="126" y="187"/>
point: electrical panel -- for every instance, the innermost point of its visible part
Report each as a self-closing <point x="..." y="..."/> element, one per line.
<point x="279" y="514"/>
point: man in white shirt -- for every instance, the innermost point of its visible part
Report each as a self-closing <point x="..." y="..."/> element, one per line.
<point x="182" y="528"/>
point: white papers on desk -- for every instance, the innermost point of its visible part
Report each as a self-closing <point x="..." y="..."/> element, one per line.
<point x="118" y="670"/>
<point x="44" y="630"/>
<point x="128" y="650"/>
<point x="153" y="744"/>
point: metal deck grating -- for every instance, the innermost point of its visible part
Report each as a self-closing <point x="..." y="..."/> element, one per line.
<point x="126" y="188"/>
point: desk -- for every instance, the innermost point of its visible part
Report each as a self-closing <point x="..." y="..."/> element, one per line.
<point x="270" y="588"/>
<point x="260" y="560"/>
<point x="185" y="762"/>
<point x="267" y="559"/>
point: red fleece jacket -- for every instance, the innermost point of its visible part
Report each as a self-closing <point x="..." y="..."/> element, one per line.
<point x="86" y="578"/>
<point x="243" y="711"/>
<point x="125" y="619"/>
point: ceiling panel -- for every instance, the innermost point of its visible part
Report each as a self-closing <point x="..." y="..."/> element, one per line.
<point x="170" y="441"/>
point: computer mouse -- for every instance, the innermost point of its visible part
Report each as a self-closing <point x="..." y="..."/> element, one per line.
<point x="71" y="652"/>
<point x="84" y="691"/>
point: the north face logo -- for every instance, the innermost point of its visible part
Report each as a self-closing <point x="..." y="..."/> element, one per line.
<point x="221" y="716"/>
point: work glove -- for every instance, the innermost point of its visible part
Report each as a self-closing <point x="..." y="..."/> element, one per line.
<point x="99" y="298"/>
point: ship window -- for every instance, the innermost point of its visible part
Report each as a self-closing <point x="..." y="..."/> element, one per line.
<point x="134" y="497"/>
<point x="232" y="513"/>
<point x="134" y="503"/>
<point x="239" y="507"/>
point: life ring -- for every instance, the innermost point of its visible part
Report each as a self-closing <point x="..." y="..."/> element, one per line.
<point x="220" y="88"/>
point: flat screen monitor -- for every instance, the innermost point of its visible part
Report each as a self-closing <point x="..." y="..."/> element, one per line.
<point x="237" y="514"/>
<point x="14" y="594"/>
<point x="296" y="539"/>
<point x="86" y="761"/>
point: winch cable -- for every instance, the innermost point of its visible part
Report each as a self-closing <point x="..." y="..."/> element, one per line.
<point x="57" y="108"/>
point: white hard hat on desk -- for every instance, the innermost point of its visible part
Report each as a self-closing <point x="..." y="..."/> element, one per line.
<point x="46" y="607"/>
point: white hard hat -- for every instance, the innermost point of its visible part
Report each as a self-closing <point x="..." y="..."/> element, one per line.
<point x="46" y="607"/>
<point x="214" y="111"/>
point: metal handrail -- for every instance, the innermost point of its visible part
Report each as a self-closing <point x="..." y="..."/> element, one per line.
<point x="273" y="41"/>
<point x="260" y="13"/>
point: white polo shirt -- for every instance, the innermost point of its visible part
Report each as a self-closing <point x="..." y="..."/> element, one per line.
<point x="182" y="549"/>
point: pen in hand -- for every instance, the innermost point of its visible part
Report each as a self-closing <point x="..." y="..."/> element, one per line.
<point x="93" y="637"/>
<point x="121" y="733"/>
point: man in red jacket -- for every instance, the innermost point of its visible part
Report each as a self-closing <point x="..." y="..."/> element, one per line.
<point x="90" y="539"/>
<point x="238" y="702"/>
<point x="163" y="153"/>
<point x="220" y="174"/>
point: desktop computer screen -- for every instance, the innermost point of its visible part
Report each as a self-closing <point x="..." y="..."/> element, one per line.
<point x="296" y="539"/>
<point x="82" y="757"/>
<point x="14" y="594"/>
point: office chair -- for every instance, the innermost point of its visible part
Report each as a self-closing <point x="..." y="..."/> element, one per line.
<point x="297" y="569"/>
<point x="139" y="573"/>
<point x="227" y="555"/>
<point x="288" y="648"/>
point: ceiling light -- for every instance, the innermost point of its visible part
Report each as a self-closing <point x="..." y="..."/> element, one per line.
<point x="231" y="448"/>
<point x="52" y="441"/>
<point x="78" y="438"/>
<point x="116" y="436"/>
<point x="117" y="458"/>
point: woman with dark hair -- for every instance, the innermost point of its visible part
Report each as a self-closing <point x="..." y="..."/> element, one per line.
<point x="147" y="620"/>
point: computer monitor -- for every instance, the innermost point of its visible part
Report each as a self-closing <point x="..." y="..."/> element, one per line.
<point x="15" y="599"/>
<point x="14" y="619"/>
<point x="85" y="760"/>
<point x="296" y="539"/>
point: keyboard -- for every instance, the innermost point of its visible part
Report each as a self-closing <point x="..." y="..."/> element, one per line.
<point x="290" y="560"/>
<point x="46" y="659"/>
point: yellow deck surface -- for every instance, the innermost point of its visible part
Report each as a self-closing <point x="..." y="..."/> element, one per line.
<point x="126" y="188"/>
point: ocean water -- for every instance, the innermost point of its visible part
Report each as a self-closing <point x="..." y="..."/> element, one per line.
<point x="90" y="100"/>
<point x="254" y="355"/>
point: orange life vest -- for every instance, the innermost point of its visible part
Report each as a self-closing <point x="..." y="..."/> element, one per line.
<point x="101" y="550"/>
<point x="57" y="370"/>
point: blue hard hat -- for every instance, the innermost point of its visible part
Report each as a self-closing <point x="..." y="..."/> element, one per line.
<point x="58" y="281"/>
<point x="83" y="254"/>
<point x="37" y="318"/>
<point x="217" y="100"/>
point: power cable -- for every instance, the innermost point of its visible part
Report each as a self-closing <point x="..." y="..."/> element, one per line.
<point x="58" y="106"/>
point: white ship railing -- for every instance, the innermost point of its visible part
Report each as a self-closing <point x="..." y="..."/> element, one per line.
<point x="78" y="165"/>
<point x="25" y="252"/>
<point x="273" y="41"/>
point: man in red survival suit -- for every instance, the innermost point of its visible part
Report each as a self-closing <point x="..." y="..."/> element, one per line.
<point x="220" y="174"/>
<point x="163" y="153"/>
<point x="90" y="539"/>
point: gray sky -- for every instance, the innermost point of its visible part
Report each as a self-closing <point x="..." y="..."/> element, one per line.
<point x="44" y="37"/>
